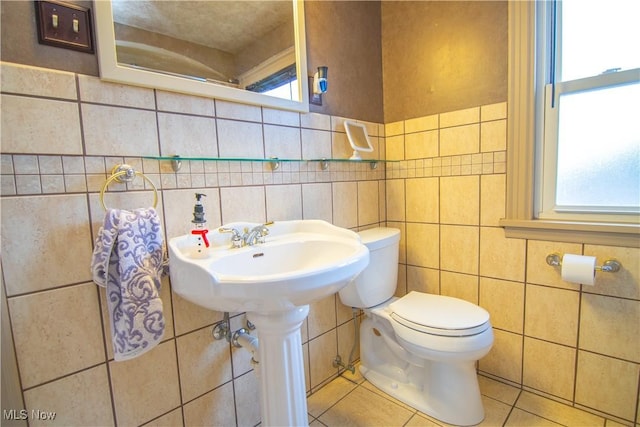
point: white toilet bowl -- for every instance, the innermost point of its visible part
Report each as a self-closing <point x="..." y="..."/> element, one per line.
<point x="433" y="373"/>
<point x="421" y="348"/>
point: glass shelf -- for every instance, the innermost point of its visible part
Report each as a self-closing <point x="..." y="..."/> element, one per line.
<point x="275" y="161"/>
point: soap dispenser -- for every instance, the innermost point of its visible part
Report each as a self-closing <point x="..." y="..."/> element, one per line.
<point x="199" y="229"/>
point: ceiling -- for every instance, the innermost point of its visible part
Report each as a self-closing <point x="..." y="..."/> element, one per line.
<point x="221" y="24"/>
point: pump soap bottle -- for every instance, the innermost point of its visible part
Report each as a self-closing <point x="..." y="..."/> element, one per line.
<point x="199" y="230"/>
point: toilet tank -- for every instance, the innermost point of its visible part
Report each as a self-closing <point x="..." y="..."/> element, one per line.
<point x="377" y="282"/>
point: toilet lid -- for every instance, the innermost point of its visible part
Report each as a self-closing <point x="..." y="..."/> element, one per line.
<point x="439" y="314"/>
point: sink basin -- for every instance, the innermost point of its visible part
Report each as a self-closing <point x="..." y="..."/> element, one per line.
<point x="300" y="262"/>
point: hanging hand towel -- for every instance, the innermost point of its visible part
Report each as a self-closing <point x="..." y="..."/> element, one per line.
<point x="129" y="260"/>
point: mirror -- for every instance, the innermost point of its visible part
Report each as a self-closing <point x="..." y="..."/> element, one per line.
<point x="247" y="51"/>
<point x="358" y="138"/>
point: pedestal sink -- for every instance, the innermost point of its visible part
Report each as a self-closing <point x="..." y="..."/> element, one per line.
<point x="299" y="262"/>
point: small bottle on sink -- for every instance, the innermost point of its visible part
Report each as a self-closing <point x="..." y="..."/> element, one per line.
<point x="199" y="230"/>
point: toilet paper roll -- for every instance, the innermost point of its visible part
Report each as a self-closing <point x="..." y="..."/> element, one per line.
<point x="579" y="269"/>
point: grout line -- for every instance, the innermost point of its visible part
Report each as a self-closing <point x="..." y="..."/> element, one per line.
<point x="512" y="408"/>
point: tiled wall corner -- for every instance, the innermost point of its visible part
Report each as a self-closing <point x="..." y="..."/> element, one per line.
<point x="58" y="150"/>
<point x="447" y="195"/>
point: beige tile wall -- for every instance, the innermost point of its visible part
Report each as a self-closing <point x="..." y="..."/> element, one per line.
<point x="61" y="135"/>
<point x="576" y="344"/>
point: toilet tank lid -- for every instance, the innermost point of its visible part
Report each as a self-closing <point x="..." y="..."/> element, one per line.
<point x="379" y="237"/>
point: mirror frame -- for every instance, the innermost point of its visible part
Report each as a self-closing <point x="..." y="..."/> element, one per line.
<point x="111" y="70"/>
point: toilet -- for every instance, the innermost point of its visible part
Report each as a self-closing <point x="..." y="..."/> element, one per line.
<point x="421" y="348"/>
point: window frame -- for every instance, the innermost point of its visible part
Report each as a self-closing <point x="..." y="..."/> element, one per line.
<point x="545" y="201"/>
<point x="525" y="42"/>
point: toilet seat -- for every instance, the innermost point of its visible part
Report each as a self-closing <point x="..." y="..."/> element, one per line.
<point x="439" y="315"/>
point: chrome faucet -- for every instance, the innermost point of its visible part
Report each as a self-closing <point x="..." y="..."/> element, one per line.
<point x="237" y="241"/>
<point x="256" y="234"/>
<point x="249" y="238"/>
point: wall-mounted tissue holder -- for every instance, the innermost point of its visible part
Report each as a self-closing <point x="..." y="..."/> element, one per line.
<point x="609" y="266"/>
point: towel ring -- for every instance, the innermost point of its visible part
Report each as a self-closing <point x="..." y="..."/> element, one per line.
<point x="125" y="173"/>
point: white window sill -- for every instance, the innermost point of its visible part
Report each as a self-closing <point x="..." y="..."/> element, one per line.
<point x="608" y="234"/>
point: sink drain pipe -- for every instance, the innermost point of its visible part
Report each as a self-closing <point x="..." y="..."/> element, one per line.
<point x="241" y="338"/>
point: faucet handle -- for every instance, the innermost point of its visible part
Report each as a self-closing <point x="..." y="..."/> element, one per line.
<point x="263" y="228"/>
<point x="236" y="238"/>
<point x="263" y="231"/>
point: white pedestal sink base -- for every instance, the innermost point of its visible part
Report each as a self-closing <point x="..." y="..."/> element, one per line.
<point x="283" y="396"/>
<point x="300" y="261"/>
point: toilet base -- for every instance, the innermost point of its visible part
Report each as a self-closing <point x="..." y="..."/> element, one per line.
<point x="440" y="383"/>
<point x="456" y="401"/>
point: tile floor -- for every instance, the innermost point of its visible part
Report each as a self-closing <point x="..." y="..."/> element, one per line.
<point x="350" y="400"/>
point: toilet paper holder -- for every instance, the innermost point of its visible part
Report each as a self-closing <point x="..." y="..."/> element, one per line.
<point x="609" y="266"/>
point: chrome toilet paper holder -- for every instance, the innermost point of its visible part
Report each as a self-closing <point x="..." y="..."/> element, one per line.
<point x="609" y="266"/>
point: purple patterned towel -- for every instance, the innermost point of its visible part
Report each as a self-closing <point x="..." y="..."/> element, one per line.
<point x="129" y="260"/>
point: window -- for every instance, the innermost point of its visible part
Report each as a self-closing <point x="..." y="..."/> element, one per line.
<point x="574" y="96"/>
<point x="288" y="90"/>
<point x="282" y="84"/>
<point x="589" y="133"/>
